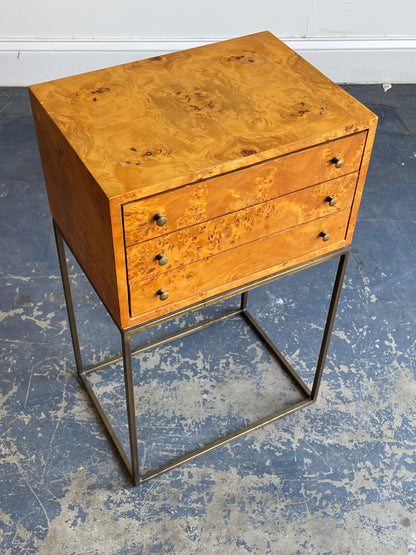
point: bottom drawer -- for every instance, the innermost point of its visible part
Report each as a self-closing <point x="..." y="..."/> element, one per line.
<point x="220" y="272"/>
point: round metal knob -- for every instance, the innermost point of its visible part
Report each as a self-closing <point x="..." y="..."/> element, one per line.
<point x="161" y="258"/>
<point x="325" y="236"/>
<point x="339" y="162"/>
<point x="162" y="294"/>
<point x="160" y="219"/>
<point x="331" y="200"/>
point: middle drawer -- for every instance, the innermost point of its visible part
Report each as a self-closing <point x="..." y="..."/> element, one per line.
<point x="165" y="253"/>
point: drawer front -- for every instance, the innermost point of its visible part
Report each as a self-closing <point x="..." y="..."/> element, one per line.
<point x="236" y="190"/>
<point x="189" y="245"/>
<point x="217" y="273"/>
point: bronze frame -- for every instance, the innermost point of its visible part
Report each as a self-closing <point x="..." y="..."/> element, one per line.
<point x="310" y="395"/>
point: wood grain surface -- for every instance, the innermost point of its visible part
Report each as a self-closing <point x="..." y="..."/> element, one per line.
<point x="361" y="180"/>
<point x="81" y="211"/>
<point x="159" y="123"/>
<point x="197" y="135"/>
<point x="200" y="202"/>
<point x="241" y="264"/>
<point x="220" y="234"/>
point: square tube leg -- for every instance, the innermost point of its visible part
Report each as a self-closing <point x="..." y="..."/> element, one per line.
<point x="60" y="247"/>
<point x="131" y="407"/>
<point x="333" y="305"/>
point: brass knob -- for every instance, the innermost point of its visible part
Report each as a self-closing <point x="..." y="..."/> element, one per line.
<point x="161" y="258"/>
<point x="162" y="294"/>
<point x="331" y="200"/>
<point x="339" y="162"/>
<point x="160" y="219"/>
<point x="325" y="236"/>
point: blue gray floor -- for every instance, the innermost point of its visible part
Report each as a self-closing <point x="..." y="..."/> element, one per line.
<point x="338" y="477"/>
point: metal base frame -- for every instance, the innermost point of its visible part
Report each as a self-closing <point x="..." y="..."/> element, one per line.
<point x="310" y="395"/>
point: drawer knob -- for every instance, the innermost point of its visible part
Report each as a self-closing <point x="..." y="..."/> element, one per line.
<point x="160" y="219"/>
<point x="339" y="162"/>
<point x="331" y="200"/>
<point x="162" y="294"/>
<point x="161" y="258"/>
<point x="325" y="236"/>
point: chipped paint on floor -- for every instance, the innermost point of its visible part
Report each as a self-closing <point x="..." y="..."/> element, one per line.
<point x="337" y="477"/>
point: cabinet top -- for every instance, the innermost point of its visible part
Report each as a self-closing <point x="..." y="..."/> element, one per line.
<point x="158" y="123"/>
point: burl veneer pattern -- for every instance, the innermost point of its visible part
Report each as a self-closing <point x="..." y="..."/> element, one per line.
<point x="202" y="134"/>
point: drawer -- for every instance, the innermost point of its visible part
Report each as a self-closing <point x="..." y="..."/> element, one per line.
<point x="237" y="228"/>
<point x="208" y="199"/>
<point x="217" y="273"/>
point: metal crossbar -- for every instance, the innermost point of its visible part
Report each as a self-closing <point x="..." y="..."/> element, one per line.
<point x="309" y="395"/>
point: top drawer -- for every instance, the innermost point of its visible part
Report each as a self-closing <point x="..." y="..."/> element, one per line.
<point x="199" y="202"/>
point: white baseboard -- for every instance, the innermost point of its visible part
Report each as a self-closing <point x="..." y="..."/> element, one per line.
<point x="344" y="60"/>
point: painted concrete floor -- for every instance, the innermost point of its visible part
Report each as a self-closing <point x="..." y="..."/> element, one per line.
<point x="338" y="477"/>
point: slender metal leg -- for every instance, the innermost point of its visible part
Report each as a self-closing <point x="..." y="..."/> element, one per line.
<point x="131" y="408"/>
<point x="68" y="297"/>
<point x="244" y="296"/>
<point x="336" y="292"/>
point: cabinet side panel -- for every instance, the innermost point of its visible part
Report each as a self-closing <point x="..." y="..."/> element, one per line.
<point x="361" y="179"/>
<point x="79" y="207"/>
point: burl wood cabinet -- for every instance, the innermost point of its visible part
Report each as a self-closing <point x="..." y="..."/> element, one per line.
<point x="178" y="179"/>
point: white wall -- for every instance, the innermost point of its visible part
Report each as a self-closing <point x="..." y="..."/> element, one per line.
<point x="349" y="40"/>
